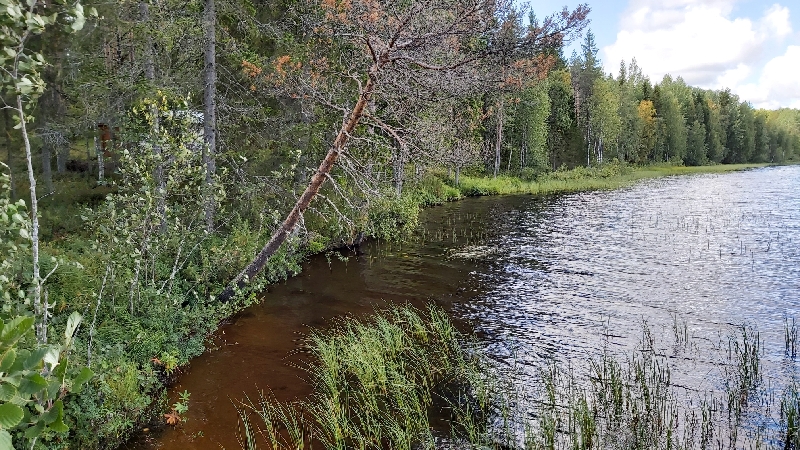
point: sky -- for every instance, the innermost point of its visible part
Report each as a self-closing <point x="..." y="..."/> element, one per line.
<point x="751" y="47"/>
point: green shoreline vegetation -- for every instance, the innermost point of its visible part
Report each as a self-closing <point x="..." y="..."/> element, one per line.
<point x="203" y="152"/>
<point x="129" y="391"/>
<point x="380" y="381"/>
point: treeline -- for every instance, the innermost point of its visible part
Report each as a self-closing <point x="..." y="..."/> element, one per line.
<point x="580" y="116"/>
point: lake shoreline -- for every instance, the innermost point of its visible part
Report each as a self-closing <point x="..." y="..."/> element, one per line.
<point x="576" y="180"/>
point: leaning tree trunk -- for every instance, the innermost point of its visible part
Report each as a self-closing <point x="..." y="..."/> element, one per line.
<point x="323" y="172"/>
<point x="210" y="112"/>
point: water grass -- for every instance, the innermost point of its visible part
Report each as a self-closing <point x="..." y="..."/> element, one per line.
<point x="375" y="382"/>
<point x="609" y="176"/>
<point x="790" y="336"/>
<point x="407" y="379"/>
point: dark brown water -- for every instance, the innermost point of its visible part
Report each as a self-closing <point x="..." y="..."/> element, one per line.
<point x="557" y="277"/>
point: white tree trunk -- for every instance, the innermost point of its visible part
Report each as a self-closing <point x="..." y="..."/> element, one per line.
<point x="41" y="322"/>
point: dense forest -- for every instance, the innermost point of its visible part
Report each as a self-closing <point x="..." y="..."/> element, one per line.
<point x="154" y="149"/>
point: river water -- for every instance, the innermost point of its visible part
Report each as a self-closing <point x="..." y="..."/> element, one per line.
<point x="562" y="277"/>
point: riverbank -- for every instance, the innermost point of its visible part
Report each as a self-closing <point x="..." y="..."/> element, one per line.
<point x="668" y="278"/>
<point x="143" y="334"/>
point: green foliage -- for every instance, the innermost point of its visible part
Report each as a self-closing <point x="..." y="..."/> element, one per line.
<point x="14" y="251"/>
<point x="35" y="379"/>
<point x="375" y="382"/>
<point x="392" y="218"/>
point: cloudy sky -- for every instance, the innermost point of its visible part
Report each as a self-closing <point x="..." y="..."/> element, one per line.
<point x="749" y="46"/>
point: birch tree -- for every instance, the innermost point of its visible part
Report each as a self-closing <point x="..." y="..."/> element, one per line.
<point x="22" y="79"/>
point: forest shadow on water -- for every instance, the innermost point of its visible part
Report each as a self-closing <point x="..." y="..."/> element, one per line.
<point x="659" y="315"/>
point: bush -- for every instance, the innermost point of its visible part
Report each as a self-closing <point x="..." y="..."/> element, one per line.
<point x="392" y="218"/>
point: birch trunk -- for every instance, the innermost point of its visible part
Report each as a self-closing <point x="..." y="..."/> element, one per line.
<point x="101" y="164"/>
<point x="37" y="281"/>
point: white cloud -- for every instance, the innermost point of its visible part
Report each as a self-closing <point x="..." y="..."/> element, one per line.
<point x="776" y="20"/>
<point x="778" y="84"/>
<point x="702" y="41"/>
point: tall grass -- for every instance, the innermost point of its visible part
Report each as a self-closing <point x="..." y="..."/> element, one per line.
<point x="375" y="382"/>
<point x="381" y="383"/>
<point x="608" y="176"/>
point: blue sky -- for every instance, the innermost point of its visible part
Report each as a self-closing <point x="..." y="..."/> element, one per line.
<point x="749" y="46"/>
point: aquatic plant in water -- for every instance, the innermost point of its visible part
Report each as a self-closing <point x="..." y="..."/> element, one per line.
<point x="382" y="383"/>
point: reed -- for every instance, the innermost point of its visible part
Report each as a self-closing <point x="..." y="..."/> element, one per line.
<point x="379" y="381"/>
<point x="790" y="336"/>
<point x="375" y="383"/>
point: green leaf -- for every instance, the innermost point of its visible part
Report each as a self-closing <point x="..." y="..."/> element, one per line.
<point x="8" y="360"/>
<point x="54" y="387"/>
<point x="52" y="357"/>
<point x="7" y="392"/>
<point x="50" y="415"/>
<point x="35" y="431"/>
<point x="5" y="441"/>
<point x="22" y="231"/>
<point x="10" y="415"/>
<point x="35" y="358"/>
<point x="25" y="86"/>
<point x="85" y="375"/>
<point x="58" y="425"/>
<point x="15" y="329"/>
<point x="32" y="384"/>
<point x="19" y="362"/>
<point x="80" y="20"/>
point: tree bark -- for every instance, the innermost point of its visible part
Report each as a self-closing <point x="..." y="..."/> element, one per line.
<point x="101" y="164"/>
<point x="210" y="112"/>
<point x="399" y="168"/>
<point x="288" y="225"/>
<point x="37" y="281"/>
<point x="62" y="154"/>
